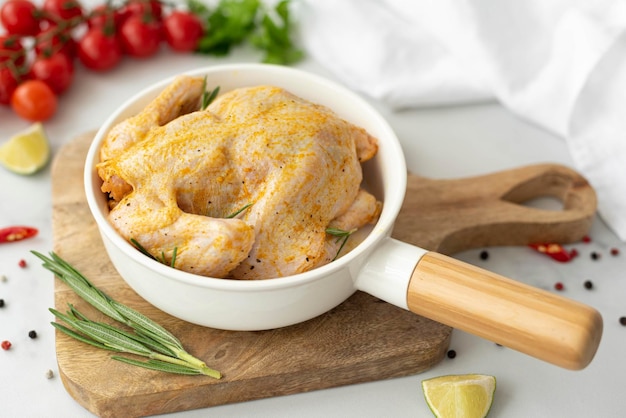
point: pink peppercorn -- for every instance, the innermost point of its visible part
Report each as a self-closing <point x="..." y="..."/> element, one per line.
<point x="614" y="251"/>
<point x="6" y="345"/>
<point x="559" y="286"/>
<point x="22" y="263"/>
<point x="587" y="239"/>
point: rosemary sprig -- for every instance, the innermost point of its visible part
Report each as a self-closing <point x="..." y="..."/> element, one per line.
<point x="342" y="235"/>
<point x="147" y="338"/>
<point x="207" y="98"/>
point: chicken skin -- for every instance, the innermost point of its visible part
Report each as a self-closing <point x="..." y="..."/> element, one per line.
<point x="287" y="169"/>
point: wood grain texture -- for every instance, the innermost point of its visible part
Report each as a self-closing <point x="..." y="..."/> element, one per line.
<point x="451" y="215"/>
<point x="361" y="340"/>
<point x="534" y="321"/>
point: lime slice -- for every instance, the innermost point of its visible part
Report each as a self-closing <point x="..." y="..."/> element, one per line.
<point x="27" y="151"/>
<point x="460" y="396"/>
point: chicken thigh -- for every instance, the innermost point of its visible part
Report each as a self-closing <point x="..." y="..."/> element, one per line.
<point x="290" y="169"/>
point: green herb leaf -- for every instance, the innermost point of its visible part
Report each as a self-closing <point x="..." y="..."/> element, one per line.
<point x="228" y="25"/>
<point x="159" y="366"/>
<point x="274" y="37"/>
<point x="232" y="215"/>
<point x="342" y="235"/>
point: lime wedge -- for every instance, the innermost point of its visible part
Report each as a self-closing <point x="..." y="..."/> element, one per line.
<point x="27" y="151"/>
<point x="460" y="396"/>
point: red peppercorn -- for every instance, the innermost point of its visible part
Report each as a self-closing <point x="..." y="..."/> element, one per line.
<point x="614" y="251"/>
<point x="587" y="239"/>
<point x="573" y="253"/>
<point x="6" y="345"/>
<point x="559" y="286"/>
<point x="22" y="263"/>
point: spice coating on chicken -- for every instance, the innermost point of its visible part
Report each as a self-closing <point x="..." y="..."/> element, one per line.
<point x="178" y="172"/>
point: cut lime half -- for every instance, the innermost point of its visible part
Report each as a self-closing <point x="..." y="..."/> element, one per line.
<point x="27" y="151"/>
<point x="460" y="396"/>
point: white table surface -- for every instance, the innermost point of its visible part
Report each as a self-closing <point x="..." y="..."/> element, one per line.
<point x="439" y="143"/>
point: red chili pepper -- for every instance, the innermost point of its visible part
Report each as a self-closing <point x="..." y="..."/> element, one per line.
<point x="17" y="233"/>
<point x="556" y="251"/>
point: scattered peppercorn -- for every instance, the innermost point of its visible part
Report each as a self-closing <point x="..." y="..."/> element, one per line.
<point x="622" y="320"/>
<point x="22" y="263"/>
<point x="595" y="255"/>
<point x="614" y="251"/>
<point x="587" y="239"/>
<point x="5" y="345"/>
<point x="573" y="253"/>
<point x="484" y="255"/>
<point x="559" y="286"/>
<point x="1" y="303"/>
<point x="451" y="354"/>
<point x="588" y="285"/>
<point x="49" y="374"/>
<point x="32" y="334"/>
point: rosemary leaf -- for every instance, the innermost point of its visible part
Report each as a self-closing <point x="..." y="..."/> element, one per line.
<point x="142" y="249"/>
<point x="207" y="98"/>
<point x="232" y="215"/>
<point x="139" y="320"/>
<point x="112" y="339"/>
<point x="80" y="337"/>
<point x="342" y="235"/>
<point x="174" y="253"/>
<point x="159" y="366"/>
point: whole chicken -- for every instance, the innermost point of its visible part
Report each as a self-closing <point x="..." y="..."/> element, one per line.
<point x="245" y="189"/>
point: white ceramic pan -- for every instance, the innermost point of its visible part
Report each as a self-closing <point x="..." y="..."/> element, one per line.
<point x="537" y="322"/>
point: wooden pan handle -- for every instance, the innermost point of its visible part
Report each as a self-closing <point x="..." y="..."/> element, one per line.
<point x="533" y="321"/>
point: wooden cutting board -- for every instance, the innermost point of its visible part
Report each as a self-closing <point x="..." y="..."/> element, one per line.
<point x="363" y="339"/>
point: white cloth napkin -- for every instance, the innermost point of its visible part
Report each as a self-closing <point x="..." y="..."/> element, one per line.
<point x="560" y="64"/>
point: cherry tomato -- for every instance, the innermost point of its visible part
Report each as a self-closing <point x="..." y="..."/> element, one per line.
<point x="20" y="17"/>
<point x="105" y="16"/>
<point x="99" y="51"/>
<point x="57" y="71"/>
<point x="140" y="38"/>
<point x="62" y="10"/>
<point x="33" y="100"/>
<point x="182" y="30"/>
<point x="8" y="84"/>
<point x="144" y="8"/>
<point x="11" y="49"/>
<point x="53" y="40"/>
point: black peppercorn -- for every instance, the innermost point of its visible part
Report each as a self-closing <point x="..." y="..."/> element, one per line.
<point x="451" y="354"/>
<point x="1" y="303"/>
<point x="588" y="284"/>
<point x="622" y="320"/>
<point x="595" y="255"/>
<point x="484" y="255"/>
<point x="32" y="334"/>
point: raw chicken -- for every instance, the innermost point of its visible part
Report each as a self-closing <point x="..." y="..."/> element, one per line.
<point x="175" y="174"/>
